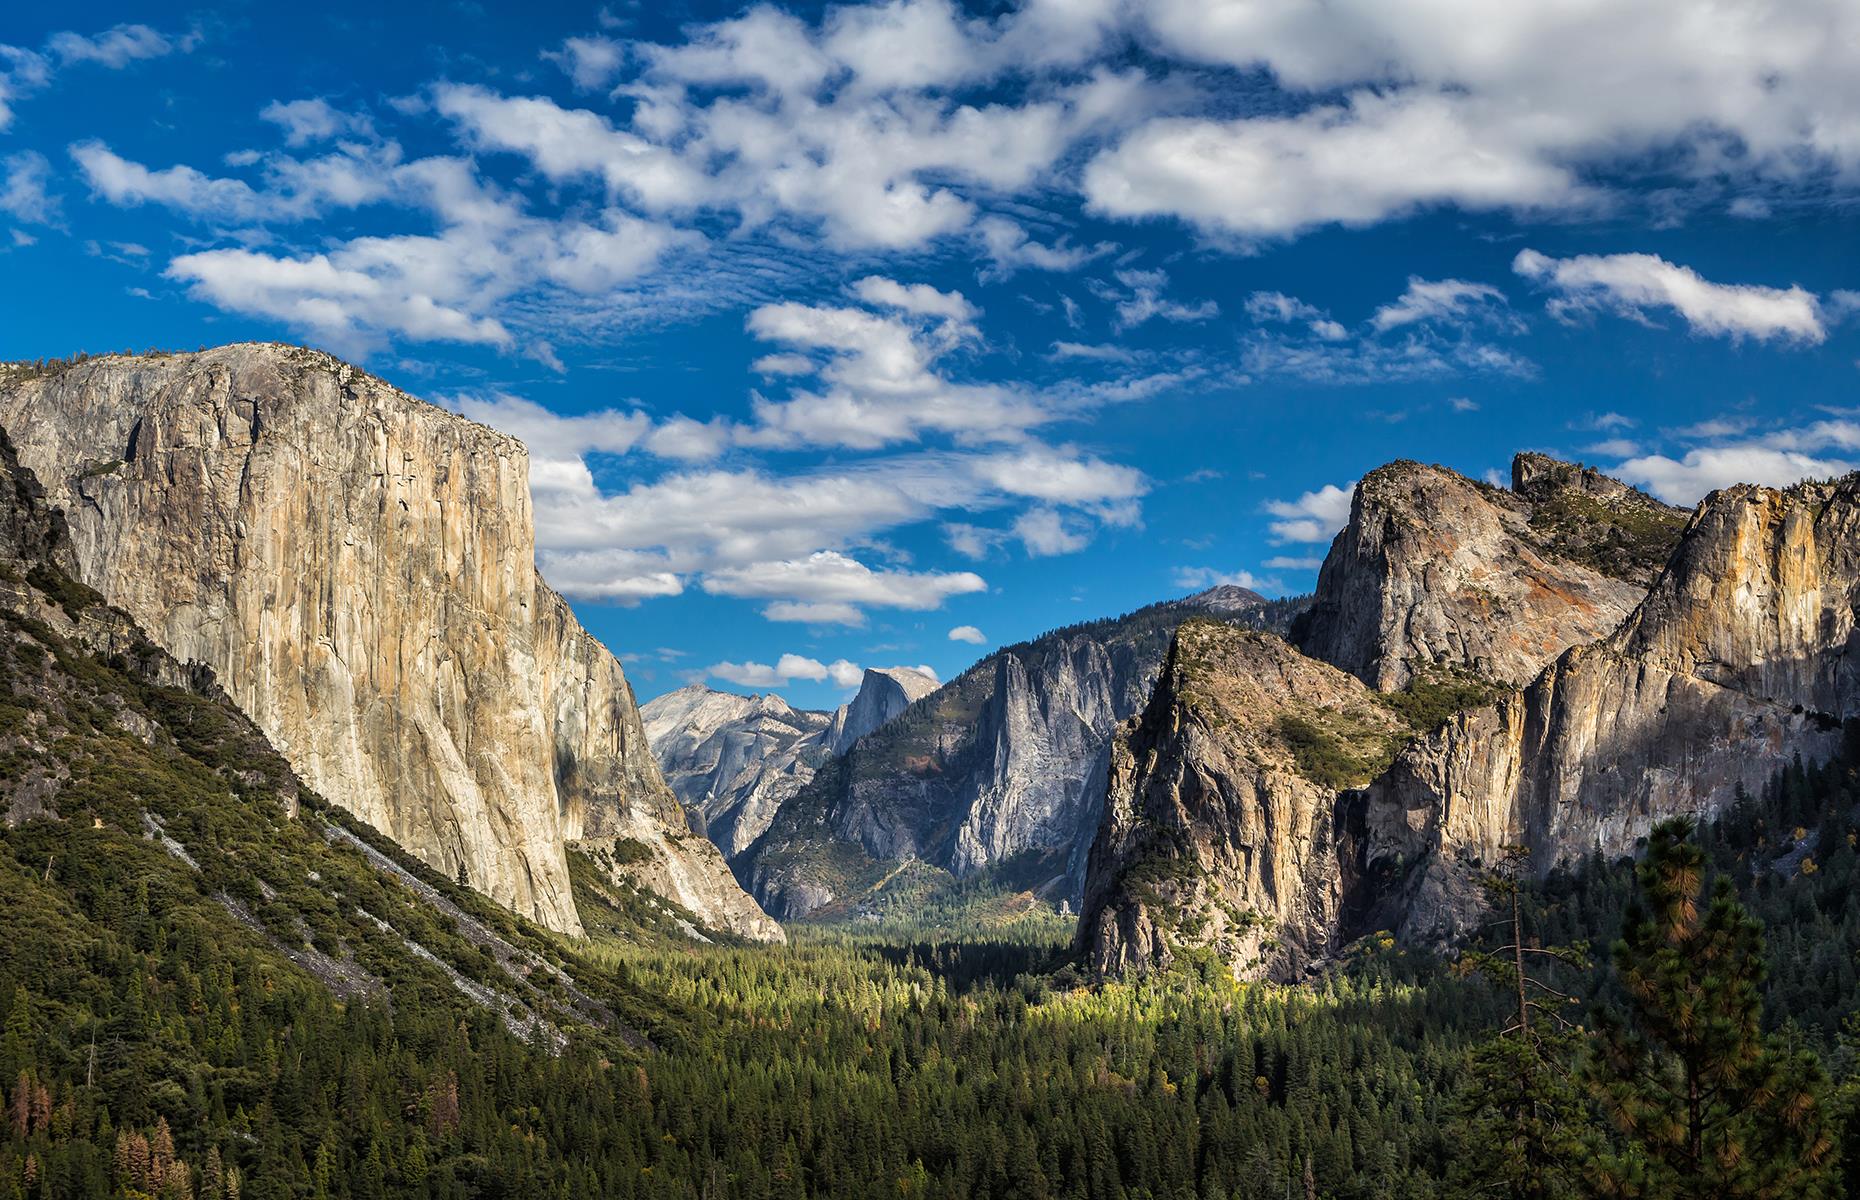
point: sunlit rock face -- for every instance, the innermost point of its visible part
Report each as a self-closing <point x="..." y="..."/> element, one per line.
<point x="1436" y="571"/>
<point x="1219" y="831"/>
<point x="357" y="567"/>
<point x="1742" y="656"/>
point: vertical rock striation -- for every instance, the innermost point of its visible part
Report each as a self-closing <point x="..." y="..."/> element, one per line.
<point x="1742" y="656"/>
<point x="733" y="760"/>
<point x="1001" y="769"/>
<point x="1219" y="831"/>
<point x="357" y="567"/>
<point x="883" y="694"/>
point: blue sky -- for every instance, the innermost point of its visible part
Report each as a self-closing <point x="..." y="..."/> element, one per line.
<point x="887" y="333"/>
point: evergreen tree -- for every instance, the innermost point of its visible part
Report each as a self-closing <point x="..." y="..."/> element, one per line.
<point x="1702" y="1103"/>
<point x="1519" y="1113"/>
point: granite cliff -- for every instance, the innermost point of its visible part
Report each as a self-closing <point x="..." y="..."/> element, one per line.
<point x="357" y="568"/>
<point x="733" y="760"/>
<point x="1439" y="573"/>
<point x="1734" y="652"/>
<point x="1218" y="833"/>
<point x="1000" y="770"/>
<point x="1742" y="656"/>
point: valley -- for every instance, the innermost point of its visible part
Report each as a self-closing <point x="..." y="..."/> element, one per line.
<point x="344" y="864"/>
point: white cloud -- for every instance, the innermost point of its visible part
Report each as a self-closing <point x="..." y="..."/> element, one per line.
<point x="1144" y="301"/>
<point x="827" y="613"/>
<point x="1776" y="458"/>
<point x="969" y="634"/>
<point x="114" y="48"/>
<point x="1613" y="448"/>
<point x="1288" y="562"/>
<point x="879" y="376"/>
<point x="312" y="120"/>
<point x="1630" y="284"/>
<point x="830" y="577"/>
<point x="972" y="541"/>
<point x="1098" y="353"/>
<point x="1009" y="248"/>
<point x="23" y="71"/>
<point x="1046" y="533"/>
<point x="1312" y="517"/>
<point x="1451" y="102"/>
<point x="919" y="299"/>
<point x="1444" y="300"/>
<point x="592" y="62"/>
<point x="1279" y="307"/>
<point x="1375" y="157"/>
<point x="1687" y="480"/>
<point x="786" y="670"/>
<point x="24" y="194"/>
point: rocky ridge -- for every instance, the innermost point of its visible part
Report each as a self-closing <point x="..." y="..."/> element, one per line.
<point x="1740" y="656"/>
<point x="1000" y="770"/>
<point x="1436" y="572"/>
<point x="733" y="760"/>
<point x="357" y="568"/>
<point x="1218" y="834"/>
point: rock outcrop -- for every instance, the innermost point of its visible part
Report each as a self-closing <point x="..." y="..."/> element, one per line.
<point x="1439" y="572"/>
<point x="1219" y="831"/>
<point x="357" y="567"/>
<point x="1742" y="656"/>
<point x="1002" y="769"/>
<point x="733" y="760"/>
<point x="883" y="694"/>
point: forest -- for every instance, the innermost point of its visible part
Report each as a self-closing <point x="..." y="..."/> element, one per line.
<point x="154" y="1044"/>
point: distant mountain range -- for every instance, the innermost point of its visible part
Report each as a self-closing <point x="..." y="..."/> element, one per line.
<point x="1000" y="770"/>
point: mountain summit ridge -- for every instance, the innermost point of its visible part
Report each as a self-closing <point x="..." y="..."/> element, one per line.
<point x="358" y="567"/>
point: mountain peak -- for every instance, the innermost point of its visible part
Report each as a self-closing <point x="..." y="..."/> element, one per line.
<point x="1437" y="571"/>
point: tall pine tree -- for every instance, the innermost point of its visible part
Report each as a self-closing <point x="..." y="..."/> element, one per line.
<point x="1703" y="1105"/>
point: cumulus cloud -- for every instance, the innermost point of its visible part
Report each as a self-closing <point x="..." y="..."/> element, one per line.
<point x="1453" y="104"/>
<point x="1377" y="156"/>
<point x="1010" y="248"/>
<point x="1312" y="517"/>
<point x="24" y="71"/>
<point x="1143" y="300"/>
<point x="25" y="193"/>
<point x="450" y="285"/>
<point x="786" y="670"/>
<point x="1777" y="458"/>
<point x="1046" y="533"/>
<point x="878" y="380"/>
<point x="830" y="577"/>
<point x="1688" y="479"/>
<point x="312" y="120"/>
<point x="969" y="634"/>
<point x="1632" y="284"/>
<point x="592" y="62"/>
<point x="1446" y="300"/>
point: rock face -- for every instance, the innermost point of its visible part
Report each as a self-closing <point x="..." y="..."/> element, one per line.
<point x="733" y="760"/>
<point x="1000" y="769"/>
<point x="883" y="694"/>
<point x="1219" y="830"/>
<point x="1437" y="571"/>
<point x="1742" y="656"/>
<point x="357" y="567"/>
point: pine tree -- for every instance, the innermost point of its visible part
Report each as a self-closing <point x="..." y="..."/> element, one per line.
<point x="1518" y="1111"/>
<point x="1702" y="1103"/>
